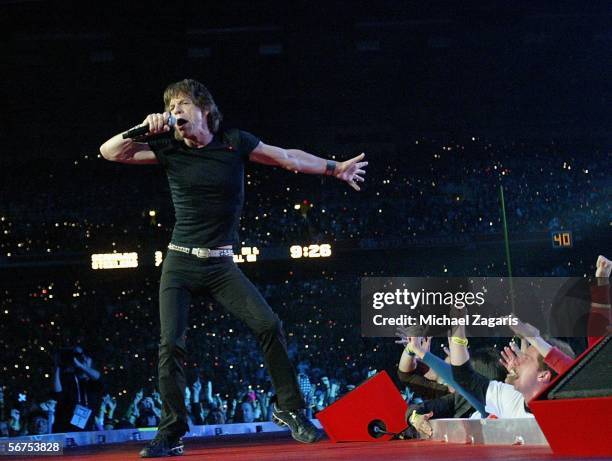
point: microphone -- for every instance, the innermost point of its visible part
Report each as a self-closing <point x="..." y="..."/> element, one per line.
<point x="141" y="130"/>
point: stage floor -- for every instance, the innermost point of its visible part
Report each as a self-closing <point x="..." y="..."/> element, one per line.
<point x="281" y="447"/>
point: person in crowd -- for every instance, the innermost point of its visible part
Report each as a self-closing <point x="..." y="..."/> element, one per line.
<point x="245" y="412"/>
<point x="38" y="423"/>
<point x="422" y="380"/>
<point x="501" y="399"/>
<point x="149" y="414"/>
<point x="133" y="412"/>
<point x="78" y="388"/>
<point x="106" y="412"/>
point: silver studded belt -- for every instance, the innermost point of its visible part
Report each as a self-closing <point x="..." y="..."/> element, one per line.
<point x="202" y="252"/>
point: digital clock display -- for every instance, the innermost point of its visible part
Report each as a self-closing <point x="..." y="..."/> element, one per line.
<point x="311" y="251"/>
<point x="562" y="239"/>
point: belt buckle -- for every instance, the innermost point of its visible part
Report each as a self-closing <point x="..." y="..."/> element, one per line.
<point x="201" y="252"/>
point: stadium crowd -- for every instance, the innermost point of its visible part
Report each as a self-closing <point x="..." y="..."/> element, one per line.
<point x="451" y="194"/>
<point x="60" y="338"/>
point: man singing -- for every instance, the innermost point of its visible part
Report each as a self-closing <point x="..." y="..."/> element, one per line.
<point x="205" y="169"/>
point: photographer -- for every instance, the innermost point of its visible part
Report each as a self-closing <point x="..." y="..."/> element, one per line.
<point x="77" y="387"/>
<point x="149" y="414"/>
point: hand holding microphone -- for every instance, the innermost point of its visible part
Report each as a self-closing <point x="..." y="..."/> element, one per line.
<point x="153" y="124"/>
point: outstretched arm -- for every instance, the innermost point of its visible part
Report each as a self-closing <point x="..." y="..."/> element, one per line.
<point x="463" y="373"/>
<point x="351" y="171"/>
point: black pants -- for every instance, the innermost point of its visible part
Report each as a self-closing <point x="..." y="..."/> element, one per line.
<point x="184" y="275"/>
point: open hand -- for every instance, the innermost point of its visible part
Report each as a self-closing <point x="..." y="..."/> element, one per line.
<point x="421" y="424"/>
<point x="49" y="405"/>
<point x="351" y="171"/>
<point x="419" y="345"/>
<point x="197" y="387"/>
<point x="511" y="357"/>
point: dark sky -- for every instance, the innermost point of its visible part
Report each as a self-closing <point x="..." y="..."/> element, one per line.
<point x="297" y="69"/>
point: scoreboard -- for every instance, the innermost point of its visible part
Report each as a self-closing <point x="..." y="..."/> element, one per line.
<point x="562" y="239"/>
<point x="245" y="254"/>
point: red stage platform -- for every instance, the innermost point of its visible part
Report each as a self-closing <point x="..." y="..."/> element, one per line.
<point x="280" y="447"/>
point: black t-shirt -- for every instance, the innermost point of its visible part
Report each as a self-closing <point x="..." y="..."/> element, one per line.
<point x="207" y="186"/>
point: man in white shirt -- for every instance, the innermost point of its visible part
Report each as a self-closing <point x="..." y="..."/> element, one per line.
<point x="503" y="400"/>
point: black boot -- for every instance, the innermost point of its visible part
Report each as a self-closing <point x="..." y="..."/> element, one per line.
<point x="301" y="428"/>
<point x="163" y="445"/>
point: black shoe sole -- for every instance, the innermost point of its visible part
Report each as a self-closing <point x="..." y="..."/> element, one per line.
<point x="174" y="451"/>
<point x="279" y="422"/>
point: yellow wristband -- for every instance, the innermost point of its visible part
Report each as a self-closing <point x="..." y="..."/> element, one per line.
<point x="460" y="341"/>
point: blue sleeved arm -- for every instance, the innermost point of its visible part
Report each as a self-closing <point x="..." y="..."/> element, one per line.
<point x="444" y="371"/>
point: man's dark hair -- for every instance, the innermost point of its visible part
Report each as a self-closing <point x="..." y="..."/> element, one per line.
<point x="486" y="362"/>
<point x="200" y="96"/>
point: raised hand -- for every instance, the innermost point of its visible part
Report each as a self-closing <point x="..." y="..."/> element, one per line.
<point x="138" y="396"/>
<point x="426" y="344"/>
<point x="525" y="330"/>
<point x="49" y="405"/>
<point x="419" y="345"/>
<point x="603" y="267"/>
<point x="510" y="358"/>
<point x="351" y="171"/>
<point x="111" y="403"/>
<point x="196" y="388"/>
<point x="311" y="397"/>
<point x="78" y="363"/>
<point x="403" y="334"/>
<point x="335" y="387"/>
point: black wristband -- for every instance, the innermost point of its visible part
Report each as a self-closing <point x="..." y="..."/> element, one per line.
<point x="330" y="167"/>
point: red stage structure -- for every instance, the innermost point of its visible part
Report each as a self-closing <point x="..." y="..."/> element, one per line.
<point x="575" y="410"/>
<point x="373" y="411"/>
